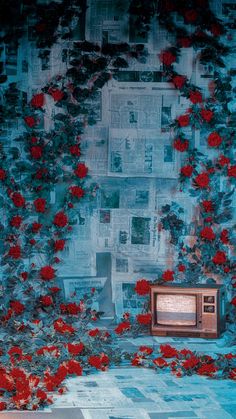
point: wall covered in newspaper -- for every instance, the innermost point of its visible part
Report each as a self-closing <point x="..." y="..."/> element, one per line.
<point x="119" y="235"/>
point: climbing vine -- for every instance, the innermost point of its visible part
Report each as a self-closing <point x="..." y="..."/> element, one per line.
<point x="46" y="339"/>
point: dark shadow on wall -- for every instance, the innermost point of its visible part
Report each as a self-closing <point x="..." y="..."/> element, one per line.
<point x="103" y="267"/>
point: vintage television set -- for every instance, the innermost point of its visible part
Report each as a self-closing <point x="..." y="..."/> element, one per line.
<point x="187" y="310"/>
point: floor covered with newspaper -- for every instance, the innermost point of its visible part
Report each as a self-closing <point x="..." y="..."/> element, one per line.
<point x="137" y="393"/>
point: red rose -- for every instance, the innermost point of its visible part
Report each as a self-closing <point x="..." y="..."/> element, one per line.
<point x="144" y="318"/>
<point x="207" y="115"/>
<point x="47" y="273"/>
<point x="179" y="81"/>
<point x="18" y="200"/>
<point x="122" y="327"/>
<point x="75" y="349"/>
<point x="216" y="29"/>
<point x="40" y="394"/>
<point x="224" y="236"/>
<point x="46" y="300"/>
<point x="211" y="170"/>
<point x="36" y="227"/>
<point x="62" y="327"/>
<point x="76" y="191"/>
<point x="195" y="97"/>
<point x="190" y="15"/>
<point x="181" y="268"/>
<point x="17" y="307"/>
<point x="60" y="219"/>
<point x="207" y="369"/>
<point x="75" y="150"/>
<point x="14" y="252"/>
<point x="3" y="406"/>
<point x="190" y="363"/>
<point x="181" y="145"/>
<point x="183" y="120"/>
<point x="15" y="350"/>
<point x="71" y="308"/>
<point x="187" y="170"/>
<point x="185" y="352"/>
<point x="30" y="121"/>
<point x="232" y="171"/>
<point x="24" y="275"/>
<point x="104" y="359"/>
<point x="32" y="242"/>
<point x="41" y="172"/>
<point x="219" y="258"/>
<point x="16" y="221"/>
<point x="168" y="276"/>
<point x="207" y="233"/>
<point x="94" y="332"/>
<point x="232" y="374"/>
<point x="223" y="161"/>
<point x="142" y="287"/>
<point x="81" y="170"/>
<point x="2" y="174"/>
<point x="98" y="362"/>
<point x="208" y="206"/>
<point x="168" y="351"/>
<point x="146" y="350"/>
<point x="137" y="360"/>
<point x="61" y="374"/>
<point x="185" y="42"/>
<point x="167" y="58"/>
<point x="36" y="152"/>
<point x="214" y="139"/>
<point x="54" y="290"/>
<point x="160" y="362"/>
<point x="37" y="101"/>
<point x="6" y="382"/>
<point x="40" y="204"/>
<point x="230" y="356"/>
<point x="233" y="301"/>
<point x="74" y="367"/>
<point x="202" y="180"/>
<point x="56" y="94"/>
<point x="59" y="245"/>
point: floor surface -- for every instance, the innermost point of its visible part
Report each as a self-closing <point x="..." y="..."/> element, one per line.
<point x="137" y="393"/>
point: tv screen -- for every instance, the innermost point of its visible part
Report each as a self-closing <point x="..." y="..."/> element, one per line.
<point x="176" y="310"/>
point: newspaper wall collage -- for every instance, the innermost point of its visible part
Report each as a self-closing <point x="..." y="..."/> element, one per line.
<point x="129" y="154"/>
